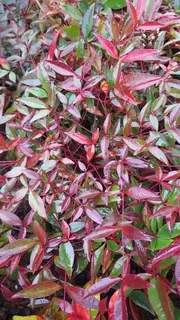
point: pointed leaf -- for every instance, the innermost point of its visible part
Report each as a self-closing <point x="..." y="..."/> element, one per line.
<point x="159" y="154"/>
<point x="108" y="46"/>
<point x="140" y="55"/>
<point x="37" y="204"/>
<point x="87" y="21"/>
<point x="101" y="286"/>
<point x="94" y="215"/>
<point x="39" y="290"/>
<point x="32" y="102"/>
<point x="16" y="247"/>
<point x="101" y="232"/>
<point x="139" y="193"/>
<point x="61" y="68"/>
<point x="79" y="137"/>
<point x="133" y="233"/>
<point x="10" y="218"/>
<point x="66" y="255"/>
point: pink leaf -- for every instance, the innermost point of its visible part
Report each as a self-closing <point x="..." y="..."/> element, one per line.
<point x="79" y="137"/>
<point x="132" y="13"/>
<point x="150" y="26"/>
<point x="101" y="286"/>
<point x="141" y="194"/>
<point x="159" y="154"/>
<point x="139" y="81"/>
<point x="137" y="163"/>
<point x="117" y="309"/>
<point x="77" y="294"/>
<point x="10" y="218"/>
<point x="108" y="46"/>
<point x="94" y="215"/>
<point x="164" y="211"/>
<point x="177" y="274"/>
<point x="140" y="55"/>
<point x="101" y="232"/>
<point x="133" y="233"/>
<point x="140" y="7"/>
<point x="61" y="68"/>
<point x="40" y="233"/>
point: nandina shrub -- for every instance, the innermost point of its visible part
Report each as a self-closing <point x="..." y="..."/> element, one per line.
<point x="90" y="157"/>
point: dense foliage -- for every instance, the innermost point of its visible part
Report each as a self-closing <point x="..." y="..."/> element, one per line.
<point x="89" y="144"/>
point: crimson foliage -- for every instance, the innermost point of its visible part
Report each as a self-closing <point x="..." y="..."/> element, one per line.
<point x="90" y="156"/>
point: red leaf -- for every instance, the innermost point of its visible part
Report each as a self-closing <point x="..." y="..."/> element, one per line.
<point x="101" y="286"/>
<point x="80" y="313"/>
<point x="134" y="313"/>
<point x="95" y="136"/>
<point x="101" y="232"/>
<point x="133" y="233"/>
<point x="136" y="282"/>
<point x="40" y="233"/>
<point x="139" y="81"/>
<point x="77" y="294"/>
<point x="7" y="294"/>
<point x="39" y="290"/>
<point x="10" y="218"/>
<point x="150" y="26"/>
<point x="33" y="160"/>
<point x="61" y="68"/>
<point x="163" y="296"/>
<point x="171" y="250"/>
<point x="108" y="46"/>
<point x="139" y="193"/>
<point x="79" y="137"/>
<point x="177" y="274"/>
<point x="90" y="152"/>
<point x="117" y="309"/>
<point x="94" y="215"/>
<point x="53" y="45"/>
<point x="164" y="211"/>
<point x="65" y="229"/>
<point x="140" y="55"/>
<point x="132" y="13"/>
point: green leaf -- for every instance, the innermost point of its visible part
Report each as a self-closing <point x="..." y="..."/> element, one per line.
<point x="141" y="300"/>
<point x="160" y="243"/>
<point x="82" y="263"/>
<point x="155" y="301"/>
<point x="80" y="48"/>
<point x="87" y="21"/>
<point x="39" y="115"/>
<point x="112" y="245"/>
<point x="98" y="255"/>
<point x="165" y="233"/>
<point x="38" y="92"/>
<point x="66" y="256"/>
<point x="73" y="32"/>
<point x="83" y="5"/>
<point x="3" y="73"/>
<point x="32" y="102"/>
<point x="12" y="76"/>
<point x="73" y="12"/>
<point x="39" y="290"/>
<point x="37" y="204"/>
<point x="115" y="4"/>
<point x="33" y="317"/>
<point x="117" y="268"/>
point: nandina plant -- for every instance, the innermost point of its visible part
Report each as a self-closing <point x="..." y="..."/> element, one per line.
<point x="90" y="180"/>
